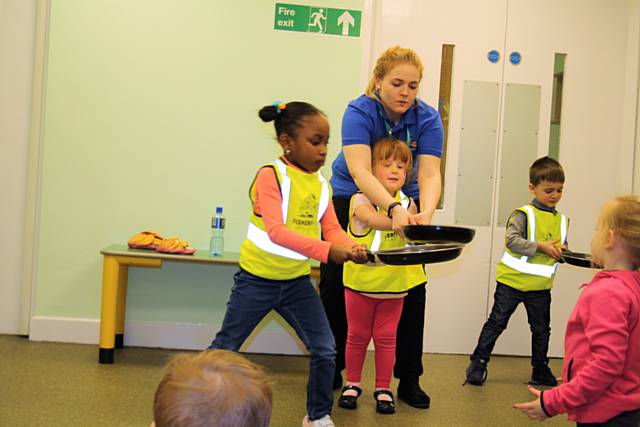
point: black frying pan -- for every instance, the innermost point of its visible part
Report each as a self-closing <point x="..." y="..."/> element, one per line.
<point x="438" y="233"/>
<point x="419" y="254"/>
<point x="579" y="259"/>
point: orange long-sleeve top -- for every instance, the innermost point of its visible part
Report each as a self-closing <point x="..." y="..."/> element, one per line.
<point x="268" y="204"/>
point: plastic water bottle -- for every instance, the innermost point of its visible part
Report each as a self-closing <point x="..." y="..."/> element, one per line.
<point x="216" y="244"/>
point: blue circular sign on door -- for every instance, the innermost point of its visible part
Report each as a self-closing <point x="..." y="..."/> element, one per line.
<point x="515" y="58"/>
<point x="493" y="56"/>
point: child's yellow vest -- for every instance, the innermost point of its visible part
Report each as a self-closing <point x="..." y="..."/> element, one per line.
<point x="384" y="279"/>
<point x="305" y="198"/>
<point x="533" y="273"/>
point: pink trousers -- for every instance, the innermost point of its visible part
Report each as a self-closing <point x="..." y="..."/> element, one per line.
<point x="368" y="318"/>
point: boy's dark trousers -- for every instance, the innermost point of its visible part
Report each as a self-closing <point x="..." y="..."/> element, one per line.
<point x="506" y="300"/>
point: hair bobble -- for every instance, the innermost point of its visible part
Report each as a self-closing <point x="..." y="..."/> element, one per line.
<point x="280" y="106"/>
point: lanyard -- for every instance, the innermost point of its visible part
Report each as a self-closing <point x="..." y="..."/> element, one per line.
<point x="388" y="126"/>
<point x="390" y="131"/>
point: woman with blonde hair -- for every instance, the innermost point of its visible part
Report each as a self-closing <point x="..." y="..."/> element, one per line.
<point x="389" y="107"/>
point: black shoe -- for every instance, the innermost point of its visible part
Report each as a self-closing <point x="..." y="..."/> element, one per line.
<point x="542" y="375"/>
<point x="476" y="372"/>
<point x="337" y="380"/>
<point x="349" y="402"/>
<point x="384" y="406"/>
<point x="409" y="392"/>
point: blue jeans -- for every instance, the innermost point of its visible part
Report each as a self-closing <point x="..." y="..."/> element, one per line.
<point x="296" y="300"/>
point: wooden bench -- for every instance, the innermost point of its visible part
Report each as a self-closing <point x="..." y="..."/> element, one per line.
<point x="117" y="259"/>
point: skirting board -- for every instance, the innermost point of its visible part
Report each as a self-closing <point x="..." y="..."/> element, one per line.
<point x="181" y="336"/>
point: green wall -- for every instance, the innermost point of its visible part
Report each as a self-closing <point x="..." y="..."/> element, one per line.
<point x="151" y="122"/>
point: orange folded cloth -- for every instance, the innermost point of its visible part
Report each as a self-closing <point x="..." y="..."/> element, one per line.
<point x="146" y="239"/>
<point x="174" y="245"/>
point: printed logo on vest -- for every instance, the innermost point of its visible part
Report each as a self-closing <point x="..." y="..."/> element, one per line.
<point x="304" y="217"/>
<point x="389" y="235"/>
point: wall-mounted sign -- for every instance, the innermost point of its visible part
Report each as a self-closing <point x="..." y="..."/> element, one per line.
<point x="493" y="56"/>
<point x="515" y="58"/>
<point x="313" y="19"/>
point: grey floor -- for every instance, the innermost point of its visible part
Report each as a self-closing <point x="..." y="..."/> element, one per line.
<point x="49" y="384"/>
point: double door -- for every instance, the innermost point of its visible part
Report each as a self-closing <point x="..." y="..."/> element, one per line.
<point x="515" y="80"/>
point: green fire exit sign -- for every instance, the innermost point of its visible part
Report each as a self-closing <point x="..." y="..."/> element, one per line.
<point x="313" y="19"/>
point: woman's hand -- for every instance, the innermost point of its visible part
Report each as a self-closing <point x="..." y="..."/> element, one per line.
<point x="399" y="218"/>
<point x="422" y="218"/>
<point x="532" y="409"/>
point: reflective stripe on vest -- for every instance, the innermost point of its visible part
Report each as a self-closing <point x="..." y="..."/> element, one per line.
<point x="521" y="264"/>
<point x="377" y="236"/>
<point x="261" y="239"/>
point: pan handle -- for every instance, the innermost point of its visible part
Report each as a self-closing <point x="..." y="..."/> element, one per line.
<point x="374" y="259"/>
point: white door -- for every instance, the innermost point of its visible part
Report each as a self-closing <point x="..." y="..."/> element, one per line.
<point x="17" y="24"/>
<point x="457" y="293"/>
<point x="499" y="122"/>
<point x="593" y="36"/>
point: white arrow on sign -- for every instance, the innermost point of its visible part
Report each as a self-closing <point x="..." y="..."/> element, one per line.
<point x="345" y="20"/>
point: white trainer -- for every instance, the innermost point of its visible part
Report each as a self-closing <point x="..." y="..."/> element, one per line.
<point x="325" y="421"/>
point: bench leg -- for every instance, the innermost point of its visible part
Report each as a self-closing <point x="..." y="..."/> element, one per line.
<point x="110" y="274"/>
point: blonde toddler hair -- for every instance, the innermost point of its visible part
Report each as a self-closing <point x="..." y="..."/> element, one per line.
<point x="622" y="216"/>
<point x="215" y="388"/>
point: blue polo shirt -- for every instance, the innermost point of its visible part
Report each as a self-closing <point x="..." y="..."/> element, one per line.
<point x="363" y="122"/>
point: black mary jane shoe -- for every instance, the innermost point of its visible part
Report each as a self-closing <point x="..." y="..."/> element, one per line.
<point x="349" y="402"/>
<point x="384" y="406"/>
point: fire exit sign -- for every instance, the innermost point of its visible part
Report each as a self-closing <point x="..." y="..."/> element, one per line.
<point x="317" y="19"/>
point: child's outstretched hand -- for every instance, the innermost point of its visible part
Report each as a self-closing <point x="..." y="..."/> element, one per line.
<point x="532" y="409"/>
<point x="359" y="254"/>
<point x="550" y="248"/>
<point x="339" y="253"/>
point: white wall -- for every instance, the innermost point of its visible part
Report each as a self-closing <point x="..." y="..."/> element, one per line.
<point x="17" y="28"/>
<point x="151" y="122"/>
<point x="16" y="62"/>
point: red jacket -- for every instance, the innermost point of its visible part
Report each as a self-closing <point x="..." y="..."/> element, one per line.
<point x="602" y="351"/>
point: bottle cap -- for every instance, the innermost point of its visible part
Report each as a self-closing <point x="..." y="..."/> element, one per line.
<point x="219" y="210"/>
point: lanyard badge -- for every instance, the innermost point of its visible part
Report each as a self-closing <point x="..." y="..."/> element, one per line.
<point x="411" y="144"/>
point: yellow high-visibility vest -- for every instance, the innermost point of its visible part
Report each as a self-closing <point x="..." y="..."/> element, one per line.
<point x="533" y="273"/>
<point x="383" y="279"/>
<point x="305" y="198"/>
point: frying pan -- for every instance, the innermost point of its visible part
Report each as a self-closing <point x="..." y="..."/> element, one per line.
<point x="579" y="259"/>
<point x="438" y="233"/>
<point x="418" y="254"/>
